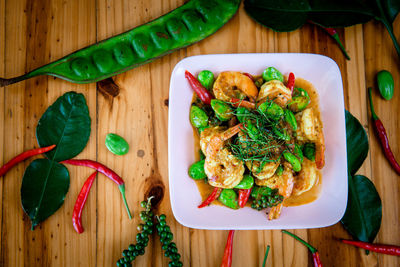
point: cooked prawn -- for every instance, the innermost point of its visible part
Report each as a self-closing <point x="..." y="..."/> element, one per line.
<point x="233" y="84"/>
<point x="306" y="178"/>
<point x="310" y="129"/>
<point x="207" y="134"/>
<point x="267" y="170"/>
<point x="223" y="169"/>
<point x="276" y="91"/>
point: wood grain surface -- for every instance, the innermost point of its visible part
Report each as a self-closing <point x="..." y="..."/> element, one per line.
<point x="33" y="33"/>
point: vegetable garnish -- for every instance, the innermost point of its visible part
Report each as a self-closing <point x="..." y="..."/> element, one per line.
<point x="199" y="89"/>
<point x="379" y="248"/>
<point x="179" y="28"/>
<point x="23" y="156"/>
<point x="385" y="83"/>
<point x="106" y="171"/>
<point x="227" y="259"/>
<point x="314" y="251"/>
<point x="382" y="135"/>
<point x="213" y="196"/>
<point x="266" y="256"/>
<point x="80" y="203"/>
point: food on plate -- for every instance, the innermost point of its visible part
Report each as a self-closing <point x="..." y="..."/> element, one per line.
<point x="260" y="137"/>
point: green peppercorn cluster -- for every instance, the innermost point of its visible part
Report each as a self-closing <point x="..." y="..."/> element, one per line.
<point x="146" y="229"/>
<point x="169" y="247"/>
<point x="265" y="197"/>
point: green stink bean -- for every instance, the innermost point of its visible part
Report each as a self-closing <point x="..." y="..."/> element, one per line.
<point x="196" y="170"/>
<point x="206" y="78"/>
<point x="385" y="84"/>
<point x="291" y="119"/>
<point x="281" y="134"/>
<point x="242" y="114"/>
<point x="228" y="197"/>
<point x="198" y="117"/>
<point x="293" y="160"/>
<point x="309" y="151"/>
<point x="271" y="110"/>
<point x="279" y="170"/>
<point x="179" y="28"/>
<point x="252" y="130"/>
<point x="298" y="153"/>
<point x="246" y="183"/>
<point x="271" y="73"/>
<point x="300" y="100"/>
<point x="222" y="110"/>
<point x="116" y="144"/>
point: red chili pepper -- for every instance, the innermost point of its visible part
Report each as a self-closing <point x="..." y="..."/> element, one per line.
<point x="214" y="195"/>
<point x="80" y="203"/>
<point x="290" y="82"/>
<point x="244" y="195"/>
<point x="242" y="103"/>
<point x="314" y="251"/>
<point x="23" y="156"/>
<point x="200" y="90"/>
<point x="104" y="170"/>
<point x="384" y="249"/>
<point x="227" y="259"/>
<point x="333" y="33"/>
<point x="383" y="138"/>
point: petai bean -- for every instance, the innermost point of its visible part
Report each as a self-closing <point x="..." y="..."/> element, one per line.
<point x="179" y="28"/>
<point x="271" y="110"/>
<point x="198" y="117"/>
<point x="116" y="144"/>
<point x="229" y="198"/>
<point x="291" y="119"/>
<point x="293" y="160"/>
<point x="300" y="100"/>
<point x="196" y="170"/>
<point x="385" y="84"/>
<point x="271" y="73"/>
<point x="206" y="78"/>
<point x="246" y="183"/>
<point x="222" y="110"/>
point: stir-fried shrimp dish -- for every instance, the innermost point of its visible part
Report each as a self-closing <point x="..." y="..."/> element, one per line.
<point x="260" y="137"/>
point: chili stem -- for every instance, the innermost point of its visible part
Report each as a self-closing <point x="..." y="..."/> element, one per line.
<point x="371" y="104"/>
<point x="311" y="248"/>
<point x="122" y="190"/>
<point x="266" y="256"/>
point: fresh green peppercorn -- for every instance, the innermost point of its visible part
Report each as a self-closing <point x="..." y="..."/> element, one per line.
<point x="196" y="170"/>
<point x="206" y="78"/>
<point x="246" y="183"/>
<point x="116" y="144"/>
<point x="271" y="73"/>
<point x="162" y="217"/>
<point x="222" y="110"/>
<point x="228" y="197"/>
<point x="385" y="84"/>
<point x="293" y="160"/>
<point x="198" y="117"/>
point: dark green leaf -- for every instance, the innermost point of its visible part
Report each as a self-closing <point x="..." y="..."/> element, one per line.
<point x="44" y="186"/>
<point x="357" y="143"/>
<point x="364" y="209"/>
<point x="66" y="124"/>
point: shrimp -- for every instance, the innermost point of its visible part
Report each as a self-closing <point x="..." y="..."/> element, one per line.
<point x="207" y="134"/>
<point x="310" y="129"/>
<point x="233" y="84"/>
<point x="284" y="183"/>
<point x="223" y="169"/>
<point x="276" y="91"/>
<point x="267" y="170"/>
<point x="306" y="178"/>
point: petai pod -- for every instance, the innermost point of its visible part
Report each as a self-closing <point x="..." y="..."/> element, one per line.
<point x="179" y="28"/>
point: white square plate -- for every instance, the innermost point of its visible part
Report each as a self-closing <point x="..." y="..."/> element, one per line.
<point x="328" y="209"/>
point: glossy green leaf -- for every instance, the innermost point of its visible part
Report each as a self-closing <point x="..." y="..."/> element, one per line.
<point x="66" y="124"/>
<point x="357" y="143"/>
<point x="44" y="186"/>
<point x="363" y="215"/>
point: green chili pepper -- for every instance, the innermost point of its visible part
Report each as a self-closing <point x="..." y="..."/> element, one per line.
<point x="229" y="198"/>
<point x="198" y="117"/>
<point x="271" y="110"/>
<point x="279" y="170"/>
<point x="179" y="28"/>
<point x="271" y="73"/>
<point x="242" y="114"/>
<point x="206" y="78"/>
<point x="116" y="144"/>
<point x="298" y="153"/>
<point x="300" y="100"/>
<point x="309" y="151"/>
<point x="246" y="183"/>
<point x="222" y="110"/>
<point x="385" y="84"/>
<point x="293" y="160"/>
<point x="281" y="134"/>
<point x="291" y="119"/>
<point x="196" y="170"/>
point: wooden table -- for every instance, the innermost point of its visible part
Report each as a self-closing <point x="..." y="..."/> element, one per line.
<point x="33" y="33"/>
